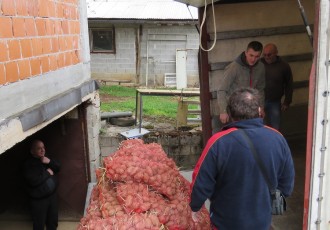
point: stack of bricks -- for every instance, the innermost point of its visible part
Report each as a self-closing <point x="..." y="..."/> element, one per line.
<point x="37" y="36"/>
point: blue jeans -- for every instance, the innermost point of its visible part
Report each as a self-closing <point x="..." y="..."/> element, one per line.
<point x="273" y="114"/>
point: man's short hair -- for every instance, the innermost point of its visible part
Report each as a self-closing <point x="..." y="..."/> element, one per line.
<point x="244" y="103"/>
<point x="255" y="45"/>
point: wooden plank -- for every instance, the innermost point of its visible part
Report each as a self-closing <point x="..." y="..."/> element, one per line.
<point x="194" y="111"/>
<point x="191" y="102"/>
<point x="104" y="82"/>
<point x="287" y="58"/>
<point x="168" y="92"/>
<point x="296" y="85"/>
<point x="259" y="32"/>
<point x="181" y="116"/>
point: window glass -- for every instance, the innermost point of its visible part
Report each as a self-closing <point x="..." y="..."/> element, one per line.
<point x="102" y="40"/>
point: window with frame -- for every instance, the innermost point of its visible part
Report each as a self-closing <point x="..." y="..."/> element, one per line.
<point x="102" y="40"/>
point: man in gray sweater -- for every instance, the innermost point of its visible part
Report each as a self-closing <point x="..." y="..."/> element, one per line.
<point x="244" y="71"/>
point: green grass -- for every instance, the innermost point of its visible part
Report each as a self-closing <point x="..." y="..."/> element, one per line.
<point x="118" y="91"/>
<point x="123" y="99"/>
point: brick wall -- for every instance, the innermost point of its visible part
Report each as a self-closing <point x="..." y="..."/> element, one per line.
<point x="37" y="37"/>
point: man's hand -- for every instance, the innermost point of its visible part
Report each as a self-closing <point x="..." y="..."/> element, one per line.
<point x="50" y="171"/>
<point x="45" y="160"/>
<point x="224" y="118"/>
<point x="194" y="216"/>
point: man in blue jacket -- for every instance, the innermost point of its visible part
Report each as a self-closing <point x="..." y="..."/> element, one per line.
<point x="41" y="184"/>
<point x="228" y="175"/>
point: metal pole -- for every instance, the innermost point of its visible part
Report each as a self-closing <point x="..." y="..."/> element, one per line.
<point x="303" y="15"/>
<point x="147" y="69"/>
<point x="141" y="105"/>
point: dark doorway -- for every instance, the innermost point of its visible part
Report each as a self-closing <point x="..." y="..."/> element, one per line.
<point x="65" y="140"/>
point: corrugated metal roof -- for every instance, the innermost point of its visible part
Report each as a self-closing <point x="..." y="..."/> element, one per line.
<point x="140" y="9"/>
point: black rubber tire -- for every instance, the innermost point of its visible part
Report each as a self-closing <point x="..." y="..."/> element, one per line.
<point x="122" y="121"/>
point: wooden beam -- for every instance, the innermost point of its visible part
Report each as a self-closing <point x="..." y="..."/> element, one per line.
<point x="259" y="32"/>
<point x="204" y="84"/>
<point x="296" y="85"/>
<point x="287" y="58"/>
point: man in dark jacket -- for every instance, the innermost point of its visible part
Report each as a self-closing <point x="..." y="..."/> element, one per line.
<point x="279" y="83"/>
<point x="40" y="175"/>
<point x="228" y="175"/>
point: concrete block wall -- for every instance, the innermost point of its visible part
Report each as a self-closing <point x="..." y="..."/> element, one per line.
<point x="162" y="53"/>
<point x="109" y="144"/>
<point x="120" y="65"/>
<point x="93" y="129"/>
<point x="184" y="148"/>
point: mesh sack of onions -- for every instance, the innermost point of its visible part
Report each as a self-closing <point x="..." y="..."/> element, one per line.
<point x="141" y="188"/>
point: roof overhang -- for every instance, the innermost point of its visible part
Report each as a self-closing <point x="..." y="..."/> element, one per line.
<point x="197" y="3"/>
<point x="19" y="127"/>
<point x="144" y="21"/>
<point x="201" y="3"/>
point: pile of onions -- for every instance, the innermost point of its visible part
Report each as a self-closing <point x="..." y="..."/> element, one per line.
<point x="141" y="188"/>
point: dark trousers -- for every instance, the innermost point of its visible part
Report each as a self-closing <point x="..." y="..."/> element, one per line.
<point x="44" y="212"/>
<point x="273" y="114"/>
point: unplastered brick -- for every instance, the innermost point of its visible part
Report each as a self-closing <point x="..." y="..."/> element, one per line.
<point x="68" y="59"/>
<point x="26" y="47"/>
<point x="44" y="64"/>
<point x="2" y="74"/>
<point x="35" y="66"/>
<point x="30" y="27"/>
<point x="60" y="60"/>
<point x="6" y="30"/>
<point x="14" y="49"/>
<point x="41" y="27"/>
<point x="11" y="71"/>
<point x="36" y="46"/>
<point x="21" y="7"/>
<point x="65" y="27"/>
<point x="46" y="45"/>
<point x="43" y="9"/>
<point x="19" y="27"/>
<point x="52" y="62"/>
<point x="24" y="68"/>
<point x="63" y="43"/>
<point x="55" y="45"/>
<point x="32" y="7"/>
<point x="8" y="7"/>
<point x="50" y="27"/>
<point x="3" y="51"/>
